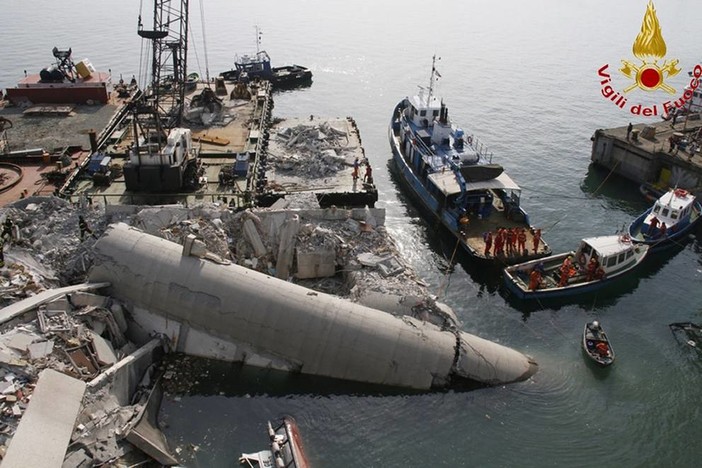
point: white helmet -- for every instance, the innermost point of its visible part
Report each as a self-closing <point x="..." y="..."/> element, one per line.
<point x="595" y="324"/>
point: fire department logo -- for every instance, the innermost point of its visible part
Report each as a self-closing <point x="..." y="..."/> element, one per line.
<point x="649" y="47"/>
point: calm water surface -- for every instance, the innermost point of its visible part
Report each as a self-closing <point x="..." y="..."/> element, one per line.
<point x="523" y="76"/>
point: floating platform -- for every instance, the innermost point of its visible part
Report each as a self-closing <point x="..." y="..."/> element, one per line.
<point x="95" y="89"/>
<point x="317" y="155"/>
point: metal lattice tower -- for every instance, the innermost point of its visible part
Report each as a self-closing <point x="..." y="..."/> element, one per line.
<point x="164" y="99"/>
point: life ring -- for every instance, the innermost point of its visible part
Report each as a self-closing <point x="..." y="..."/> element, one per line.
<point x="469" y="140"/>
<point x="680" y="193"/>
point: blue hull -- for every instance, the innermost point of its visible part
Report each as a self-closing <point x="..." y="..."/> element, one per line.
<point x="672" y="237"/>
<point x="432" y="206"/>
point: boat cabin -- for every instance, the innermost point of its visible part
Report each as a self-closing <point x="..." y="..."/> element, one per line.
<point x="478" y="200"/>
<point x="613" y="253"/>
<point x="672" y="208"/>
<point x="257" y="66"/>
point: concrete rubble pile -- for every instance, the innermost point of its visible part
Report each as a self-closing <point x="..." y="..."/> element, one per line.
<point x="343" y="252"/>
<point x="311" y="151"/>
<point x="81" y="335"/>
<point x="93" y="339"/>
<point x="47" y="238"/>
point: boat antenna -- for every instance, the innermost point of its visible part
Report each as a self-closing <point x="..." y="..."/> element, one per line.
<point x="258" y="39"/>
<point x="431" y="78"/>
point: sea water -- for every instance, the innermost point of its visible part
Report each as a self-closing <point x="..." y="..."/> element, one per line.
<point x="523" y="76"/>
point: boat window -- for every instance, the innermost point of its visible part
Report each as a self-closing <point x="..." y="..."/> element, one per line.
<point x="621" y="258"/>
<point x="664" y="212"/>
<point x="586" y="249"/>
<point x="629" y="253"/>
<point x="611" y="261"/>
<point x="674" y="214"/>
<point x="422" y="113"/>
<point x="656" y="208"/>
<point x="436" y="113"/>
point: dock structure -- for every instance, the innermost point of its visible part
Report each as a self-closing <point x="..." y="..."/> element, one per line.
<point x="661" y="153"/>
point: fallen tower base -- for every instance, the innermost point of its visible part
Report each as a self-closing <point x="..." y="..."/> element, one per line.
<point x="265" y="321"/>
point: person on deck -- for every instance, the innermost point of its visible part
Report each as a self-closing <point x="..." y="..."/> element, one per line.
<point x="354" y="174"/>
<point x="521" y="241"/>
<point x="510" y="241"/>
<point x="652" y="226"/>
<point x="499" y="242"/>
<point x="599" y="273"/>
<point x="534" y="279"/>
<point x="663" y="231"/>
<point x="487" y="238"/>
<point x="536" y="239"/>
<point x="567" y="271"/>
<point x="368" y="177"/>
<point x="591" y="268"/>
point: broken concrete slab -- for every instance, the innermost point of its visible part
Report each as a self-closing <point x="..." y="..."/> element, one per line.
<point x="320" y="264"/>
<point x="25" y="305"/>
<point x="19" y="340"/>
<point x="286" y="249"/>
<point x="390" y="266"/>
<point x="146" y="436"/>
<point x="251" y="234"/>
<point x="84" y="299"/>
<point x="368" y="259"/>
<point x="40" y="349"/>
<point x="44" y="431"/>
<point x="104" y="352"/>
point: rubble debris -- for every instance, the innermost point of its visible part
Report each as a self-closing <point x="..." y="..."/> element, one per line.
<point x="45" y="430"/>
<point x="312" y="151"/>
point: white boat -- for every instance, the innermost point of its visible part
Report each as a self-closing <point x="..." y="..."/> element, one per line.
<point x="596" y="261"/>
<point x="286" y="450"/>
<point x="669" y="220"/>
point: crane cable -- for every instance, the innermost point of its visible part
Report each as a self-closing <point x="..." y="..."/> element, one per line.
<point x="204" y="40"/>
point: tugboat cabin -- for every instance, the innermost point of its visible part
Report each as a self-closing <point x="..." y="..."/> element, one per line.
<point x="673" y="208"/>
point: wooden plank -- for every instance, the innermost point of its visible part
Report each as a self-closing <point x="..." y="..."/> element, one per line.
<point x="215" y="140"/>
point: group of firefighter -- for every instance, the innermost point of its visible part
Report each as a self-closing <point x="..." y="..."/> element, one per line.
<point x="510" y="241"/>
<point x="567" y="270"/>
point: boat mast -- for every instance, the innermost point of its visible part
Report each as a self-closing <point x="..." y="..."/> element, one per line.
<point x="258" y="40"/>
<point x="431" y="78"/>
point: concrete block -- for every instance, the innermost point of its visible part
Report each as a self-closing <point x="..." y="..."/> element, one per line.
<point x="20" y="341"/>
<point x="368" y="259"/>
<point x="188" y="244"/>
<point x="320" y="264"/>
<point x="390" y="267"/>
<point x="286" y="249"/>
<point x="251" y="234"/>
<point x="103" y="349"/>
<point x="199" y="249"/>
<point x="41" y="349"/>
<point x="84" y="299"/>
<point x="45" y="430"/>
<point x="118" y="314"/>
<point x="58" y="305"/>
